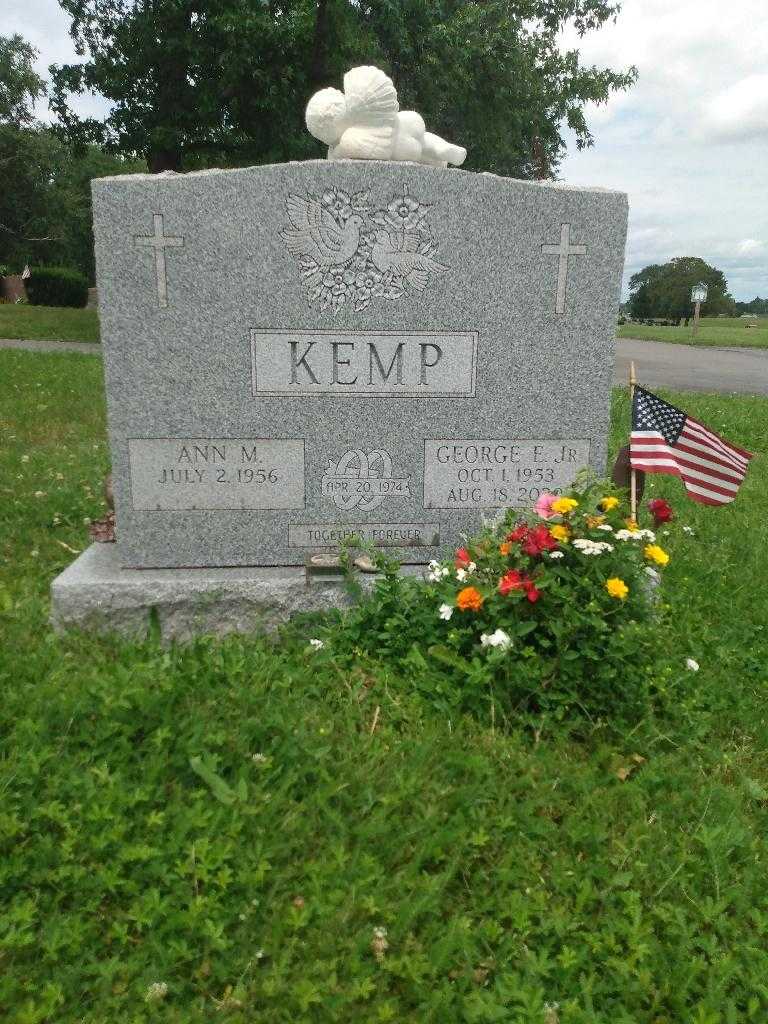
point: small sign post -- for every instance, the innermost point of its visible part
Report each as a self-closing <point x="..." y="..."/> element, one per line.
<point x="698" y="295"/>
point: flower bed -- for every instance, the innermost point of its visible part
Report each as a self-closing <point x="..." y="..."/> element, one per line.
<point x="545" y="613"/>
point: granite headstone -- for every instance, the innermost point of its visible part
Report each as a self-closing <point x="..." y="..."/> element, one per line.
<point x="301" y="352"/>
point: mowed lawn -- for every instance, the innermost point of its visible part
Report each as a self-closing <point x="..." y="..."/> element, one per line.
<point x="712" y="331"/>
<point x="48" y="323"/>
<point x="220" y="832"/>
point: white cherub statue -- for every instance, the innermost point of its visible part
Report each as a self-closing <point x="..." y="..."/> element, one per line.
<point x="365" y="123"/>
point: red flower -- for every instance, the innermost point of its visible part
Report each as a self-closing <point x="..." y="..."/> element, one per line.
<point x="661" y="511"/>
<point x="511" y="580"/>
<point x="514" y="580"/>
<point x="462" y="558"/>
<point x="519" y="533"/>
<point x="539" y="539"/>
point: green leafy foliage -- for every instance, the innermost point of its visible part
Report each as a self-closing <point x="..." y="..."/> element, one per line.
<point x="57" y="286"/>
<point x="219" y="832"/>
<point x="20" y="85"/>
<point x="664" y="290"/>
<point x="227" y="80"/>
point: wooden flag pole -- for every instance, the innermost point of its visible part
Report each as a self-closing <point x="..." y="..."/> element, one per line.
<point x="632" y="470"/>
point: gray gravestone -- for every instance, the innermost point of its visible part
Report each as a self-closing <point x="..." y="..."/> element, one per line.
<point x="302" y="352"/>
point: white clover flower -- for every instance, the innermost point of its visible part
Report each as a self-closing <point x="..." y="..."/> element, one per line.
<point x="688" y="530"/>
<point x="380" y="933"/>
<point x="556" y="554"/>
<point x="496" y="639"/>
<point x="605" y="526"/>
<point x="461" y="575"/>
<point x="156" y="991"/>
<point x="317" y="644"/>
<point x="25" y="458"/>
<point x="34" y="553"/>
<point x="446" y="611"/>
<point x="39" y="494"/>
<point x="259" y="758"/>
<point x="692" y="665"/>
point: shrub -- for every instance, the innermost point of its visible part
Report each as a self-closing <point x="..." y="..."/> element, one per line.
<point x="57" y="286"/>
<point x="551" y="614"/>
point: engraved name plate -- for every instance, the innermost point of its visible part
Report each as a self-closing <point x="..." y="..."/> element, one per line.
<point x="194" y="473"/>
<point x="380" y="364"/>
<point x="498" y="473"/>
<point x="395" y="535"/>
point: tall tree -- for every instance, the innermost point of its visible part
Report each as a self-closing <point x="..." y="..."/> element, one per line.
<point x="20" y="85"/>
<point x="664" y="290"/>
<point x="200" y="81"/>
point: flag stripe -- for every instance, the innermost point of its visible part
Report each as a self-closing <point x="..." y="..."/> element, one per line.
<point x="742" y="452"/>
<point x="694" y="463"/>
<point x="716" y="498"/>
<point x="696" y="437"/>
<point x="695" y="450"/>
<point x="722" y="487"/>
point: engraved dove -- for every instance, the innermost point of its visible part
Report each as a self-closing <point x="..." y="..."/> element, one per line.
<point x="406" y="260"/>
<point x="317" y="235"/>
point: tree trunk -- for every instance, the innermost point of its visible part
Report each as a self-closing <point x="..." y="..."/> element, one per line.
<point x="318" y="71"/>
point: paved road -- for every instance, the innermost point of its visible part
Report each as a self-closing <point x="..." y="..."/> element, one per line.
<point x="685" y="368"/>
<point x="682" y="367"/>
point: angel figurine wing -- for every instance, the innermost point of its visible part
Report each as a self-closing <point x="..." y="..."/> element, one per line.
<point x="371" y="97"/>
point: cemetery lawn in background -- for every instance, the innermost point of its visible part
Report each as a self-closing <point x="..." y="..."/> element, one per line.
<point x="48" y="323"/>
<point x="229" y="826"/>
<point x="713" y="331"/>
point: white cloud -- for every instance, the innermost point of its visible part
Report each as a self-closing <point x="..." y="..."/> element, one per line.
<point x="740" y="111"/>
<point x="689" y="142"/>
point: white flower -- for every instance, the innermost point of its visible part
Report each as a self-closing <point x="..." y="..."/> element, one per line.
<point x="39" y="494"/>
<point x="380" y="933"/>
<point x="259" y="758"/>
<point x="471" y="567"/>
<point x="34" y="552"/>
<point x="25" y="458"/>
<point x="317" y="644"/>
<point x="555" y="554"/>
<point x="648" y="535"/>
<point x="592" y="547"/>
<point x="496" y="639"/>
<point x="688" y="530"/>
<point x="156" y="991"/>
<point x="461" y="575"/>
<point x="437" y="572"/>
<point x="606" y="526"/>
<point x="691" y="665"/>
<point x="446" y="611"/>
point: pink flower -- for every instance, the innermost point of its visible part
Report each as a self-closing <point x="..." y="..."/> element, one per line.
<point x="543" y="506"/>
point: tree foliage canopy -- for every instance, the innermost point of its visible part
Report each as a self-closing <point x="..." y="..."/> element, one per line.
<point x="203" y="81"/>
<point x="20" y="85"/>
<point x="664" y="290"/>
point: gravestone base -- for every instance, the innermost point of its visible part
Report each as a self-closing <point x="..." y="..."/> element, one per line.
<point x="97" y="595"/>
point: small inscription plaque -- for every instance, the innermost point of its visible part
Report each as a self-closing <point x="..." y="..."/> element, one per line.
<point x="194" y="473"/>
<point x="497" y="473"/>
<point x="421" y="364"/>
<point x="394" y="535"/>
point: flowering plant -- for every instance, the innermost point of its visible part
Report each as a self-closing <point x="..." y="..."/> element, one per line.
<point x="554" y="600"/>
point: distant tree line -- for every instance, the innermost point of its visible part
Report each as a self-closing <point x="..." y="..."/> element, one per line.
<point x="757" y="307"/>
<point x="664" y="290"/>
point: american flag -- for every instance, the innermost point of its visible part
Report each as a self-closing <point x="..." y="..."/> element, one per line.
<point x="666" y="440"/>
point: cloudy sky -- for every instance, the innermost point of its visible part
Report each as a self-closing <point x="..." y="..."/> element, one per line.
<point x="689" y="143"/>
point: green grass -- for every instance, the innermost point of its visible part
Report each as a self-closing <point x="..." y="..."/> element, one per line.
<point x="511" y="869"/>
<point x="48" y="323"/>
<point x="712" y="331"/>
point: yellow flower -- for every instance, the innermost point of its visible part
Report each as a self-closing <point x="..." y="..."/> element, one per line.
<point x="560" y="533"/>
<point x="606" y="504"/>
<point x="504" y="549"/>
<point x="631" y="525"/>
<point x="594" y="521"/>
<point x="656" y="554"/>
<point x="469" y="599"/>
<point x="562" y="506"/>
<point x="617" y="588"/>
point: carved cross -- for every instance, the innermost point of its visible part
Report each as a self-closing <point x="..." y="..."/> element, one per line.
<point x="563" y="250"/>
<point x="160" y="242"/>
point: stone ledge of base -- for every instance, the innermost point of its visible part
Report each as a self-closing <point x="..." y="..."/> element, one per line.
<point x="97" y="595"/>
